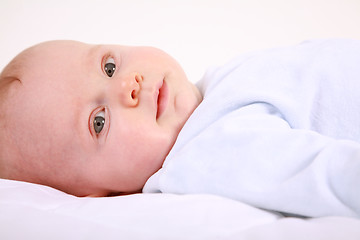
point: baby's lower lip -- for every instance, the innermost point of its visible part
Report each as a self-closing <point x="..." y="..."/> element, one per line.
<point x="162" y="99"/>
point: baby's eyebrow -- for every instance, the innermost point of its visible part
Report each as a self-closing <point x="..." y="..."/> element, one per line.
<point x="93" y="51"/>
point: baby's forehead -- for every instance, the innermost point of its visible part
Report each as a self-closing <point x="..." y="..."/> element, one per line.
<point x="55" y="45"/>
<point x="43" y="50"/>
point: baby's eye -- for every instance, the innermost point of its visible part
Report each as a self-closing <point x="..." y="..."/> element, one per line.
<point x="109" y="66"/>
<point x="99" y="121"/>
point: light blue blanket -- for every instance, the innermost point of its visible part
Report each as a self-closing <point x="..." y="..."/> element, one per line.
<point x="278" y="129"/>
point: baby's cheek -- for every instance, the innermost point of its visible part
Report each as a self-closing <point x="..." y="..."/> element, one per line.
<point x="185" y="105"/>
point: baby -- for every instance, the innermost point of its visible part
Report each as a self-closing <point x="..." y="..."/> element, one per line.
<point x="91" y="120"/>
<point x="277" y="129"/>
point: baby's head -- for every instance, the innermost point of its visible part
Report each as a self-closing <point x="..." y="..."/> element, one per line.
<point x="91" y="119"/>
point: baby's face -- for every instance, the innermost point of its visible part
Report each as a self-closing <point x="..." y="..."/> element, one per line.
<point x="98" y="119"/>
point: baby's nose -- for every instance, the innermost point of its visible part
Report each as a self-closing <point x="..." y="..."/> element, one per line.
<point x="130" y="88"/>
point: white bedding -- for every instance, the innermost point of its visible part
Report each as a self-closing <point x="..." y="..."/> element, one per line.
<point x="30" y="211"/>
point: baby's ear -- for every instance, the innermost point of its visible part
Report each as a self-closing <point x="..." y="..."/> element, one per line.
<point x="5" y="86"/>
<point x="6" y="81"/>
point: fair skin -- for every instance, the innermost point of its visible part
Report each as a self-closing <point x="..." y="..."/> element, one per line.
<point x="139" y="108"/>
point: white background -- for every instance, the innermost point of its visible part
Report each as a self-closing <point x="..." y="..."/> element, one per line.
<point x="198" y="33"/>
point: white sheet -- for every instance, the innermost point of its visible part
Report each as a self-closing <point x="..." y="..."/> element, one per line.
<point x="30" y="211"/>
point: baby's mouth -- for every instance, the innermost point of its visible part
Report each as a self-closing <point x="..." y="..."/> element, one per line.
<point x="162" y="99"/>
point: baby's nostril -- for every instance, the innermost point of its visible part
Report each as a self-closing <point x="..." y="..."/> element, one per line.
<point x="139" y="78"/>
<point x="133" y="94"/>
